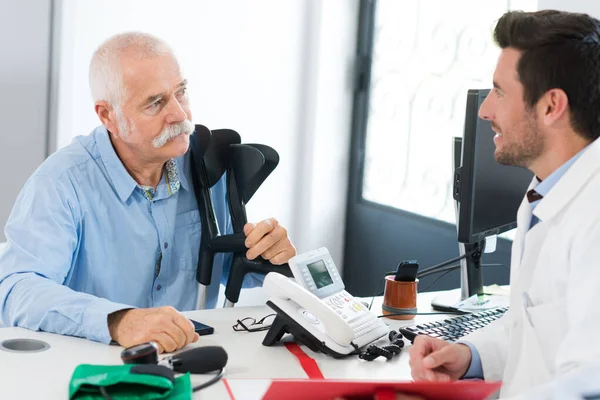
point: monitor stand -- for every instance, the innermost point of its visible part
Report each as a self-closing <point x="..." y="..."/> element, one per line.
<point x="471" y="278"/>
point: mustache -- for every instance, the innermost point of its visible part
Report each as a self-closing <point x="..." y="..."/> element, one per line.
<point x="495" y="127"/>
<point x="172" y="131"/>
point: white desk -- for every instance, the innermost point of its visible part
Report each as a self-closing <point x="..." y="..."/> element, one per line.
<point x="47" y="374"/>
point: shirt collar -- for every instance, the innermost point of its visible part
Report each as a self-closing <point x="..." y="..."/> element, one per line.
<point x="547" y="184"/>
<point x="122" y="181"/>
<point x="173" y="181"/>
<point x="183" y="168"/>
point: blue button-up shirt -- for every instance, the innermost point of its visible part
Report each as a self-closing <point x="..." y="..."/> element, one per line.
<point x="543" y="188"/>
<point x="85" y="240"/>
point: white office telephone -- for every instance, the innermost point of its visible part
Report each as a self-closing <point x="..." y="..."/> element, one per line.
<point x="317" y="310"/>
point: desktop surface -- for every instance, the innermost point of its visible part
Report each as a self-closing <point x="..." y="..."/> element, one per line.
<point x="47" y="374"/>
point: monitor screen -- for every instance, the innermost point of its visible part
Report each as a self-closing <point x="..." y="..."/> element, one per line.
<point x="489" y="194"/>
<point x="319" y="273"/>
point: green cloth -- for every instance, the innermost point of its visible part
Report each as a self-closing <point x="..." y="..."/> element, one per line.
<point x="128" y="381"/>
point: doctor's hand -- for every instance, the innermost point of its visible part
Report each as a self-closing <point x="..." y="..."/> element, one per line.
<point x="163" y="325"/>
<point x="269" y="240"/>
<point x="433" y="359"/>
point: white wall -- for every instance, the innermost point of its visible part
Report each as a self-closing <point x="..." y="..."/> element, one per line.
<point x="278" y="72"/>
<point x="591" y="7"/>
<point x="24" y="67"/>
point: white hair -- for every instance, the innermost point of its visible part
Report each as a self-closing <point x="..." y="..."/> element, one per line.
<point x="173" y="130"/>
<point x="106" y="78"/>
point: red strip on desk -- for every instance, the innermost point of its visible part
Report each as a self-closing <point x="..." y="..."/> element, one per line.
<point x="309" y="365"/>
<point x="229" y="392"/>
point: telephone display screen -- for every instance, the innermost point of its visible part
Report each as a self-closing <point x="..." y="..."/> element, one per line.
<point x="319" y="273"/>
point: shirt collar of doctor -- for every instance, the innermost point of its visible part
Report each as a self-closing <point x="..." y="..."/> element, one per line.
<point x="123" y="183"/>
<point x="544" y="188"/>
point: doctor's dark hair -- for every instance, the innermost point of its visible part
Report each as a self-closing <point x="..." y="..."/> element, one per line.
<point x="558" y="50"/>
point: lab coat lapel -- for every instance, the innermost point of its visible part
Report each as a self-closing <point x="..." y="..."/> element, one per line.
<point x="523" y="222"/>
<point x="569" y="186"/>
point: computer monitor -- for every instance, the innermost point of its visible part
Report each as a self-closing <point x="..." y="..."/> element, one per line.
<point x="487" y="194"/>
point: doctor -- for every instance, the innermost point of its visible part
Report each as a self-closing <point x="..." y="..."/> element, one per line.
<point x="545" y="110"/>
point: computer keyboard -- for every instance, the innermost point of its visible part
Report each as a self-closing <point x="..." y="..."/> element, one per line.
<point x="452" y="329"/>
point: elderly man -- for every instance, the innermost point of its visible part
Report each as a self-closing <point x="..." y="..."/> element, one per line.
<point x="103" y="239"/>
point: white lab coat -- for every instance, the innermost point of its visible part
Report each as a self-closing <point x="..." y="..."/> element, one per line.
<point x="552" y="329"/>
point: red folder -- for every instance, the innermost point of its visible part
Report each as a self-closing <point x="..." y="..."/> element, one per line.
<point x="328" y="389"/>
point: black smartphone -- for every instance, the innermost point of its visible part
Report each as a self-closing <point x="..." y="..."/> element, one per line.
<point x="407" y="271"/>
<point x="202" y="329"/>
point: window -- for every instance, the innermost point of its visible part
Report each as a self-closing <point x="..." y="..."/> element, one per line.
<point x="426" y="55"/>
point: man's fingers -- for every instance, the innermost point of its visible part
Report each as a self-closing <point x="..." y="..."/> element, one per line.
<point x="260" y="230"/>
<point x="424" y="374"/>
<point x="419" y="373"/>
<point x="166" y="342"/>
<point x="186" y="326"/>
<point x="164" y="325"/>
<point x="435" y="376"/>
<point x="279" y="247"/>
<point x="421" y="347"/>
<point x="248" y="228"/>
<point x="178" y="334"/>
<point x="284" y="256"/>
<point x="196" y="337"/>
<point x="160" y="348"/>
<point x="270" y="240"/>
<point x="267" y="241"/>
<point x="440" y="357"/>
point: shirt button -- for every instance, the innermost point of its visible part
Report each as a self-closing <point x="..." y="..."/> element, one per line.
<point x="158" y="287"/>
<point x="166" y="245"/>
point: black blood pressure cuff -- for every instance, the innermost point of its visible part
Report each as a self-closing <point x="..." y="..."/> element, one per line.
<point x="130" y="381"/>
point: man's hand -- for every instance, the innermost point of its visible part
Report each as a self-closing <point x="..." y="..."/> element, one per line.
<point x="269" y="240"/>
<point x="433" y="359"/>
<point x="163" y="325"/>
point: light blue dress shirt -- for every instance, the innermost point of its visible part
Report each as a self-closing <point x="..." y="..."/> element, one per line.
<point x="543" y="188"/>
<point x="85" y="240"/>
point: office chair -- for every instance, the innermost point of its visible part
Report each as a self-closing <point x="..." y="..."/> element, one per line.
<point x="246" y="167"/>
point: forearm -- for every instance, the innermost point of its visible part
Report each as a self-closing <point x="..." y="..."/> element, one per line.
<point x="475" y="370"/>
<point x="492" y="345"/>
<point x="31" y="301"/>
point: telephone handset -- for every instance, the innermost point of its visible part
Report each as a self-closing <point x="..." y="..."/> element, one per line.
<point x="278" y="285"/>
<point x="317" y="310"/>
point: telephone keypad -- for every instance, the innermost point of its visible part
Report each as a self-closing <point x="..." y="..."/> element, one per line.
<point x="364" y="324"/>
<point x="359" y="318"/>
